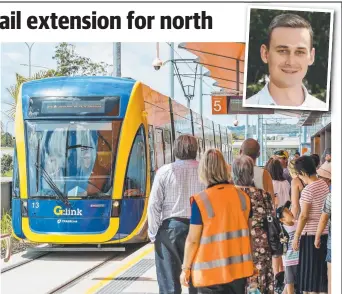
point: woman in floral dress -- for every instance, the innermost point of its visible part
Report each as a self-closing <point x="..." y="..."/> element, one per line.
<point x="261" y="203"/>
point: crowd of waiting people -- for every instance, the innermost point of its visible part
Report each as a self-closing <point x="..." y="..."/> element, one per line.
<point x="208" y="222"/>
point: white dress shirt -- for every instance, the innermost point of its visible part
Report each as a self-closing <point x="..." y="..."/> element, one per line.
<point x="264" y="98"/>
<point x="172" y="188"/>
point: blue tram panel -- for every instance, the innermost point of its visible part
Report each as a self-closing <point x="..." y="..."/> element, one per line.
<point x="82" y="216"/>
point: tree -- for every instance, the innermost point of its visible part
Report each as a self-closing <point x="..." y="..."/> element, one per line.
<point x="15" y="89"/>
<point x="69" y="63"/>
<point x="7" y="140"/>
<point x="6" y="163"/>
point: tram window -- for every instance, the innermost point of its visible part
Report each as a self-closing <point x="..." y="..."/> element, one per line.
<point x="159" y="147"/>
<point x="224" y="151"/>
<point x="178" y="134"/>
<point x="207" y="144"/>
<point x="76" y="159"/>
<point x="135" y="181"/>
<point x="15" y="189"/>
<point x="199" y="150"/>
<point x="167" y="141"/>
<point x="152" y="152"/>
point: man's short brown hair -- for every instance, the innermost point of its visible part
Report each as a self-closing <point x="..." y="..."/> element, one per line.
<point x="288" y="20"/>
<point x="251" y="148"/>
<point x="185" y="147"/>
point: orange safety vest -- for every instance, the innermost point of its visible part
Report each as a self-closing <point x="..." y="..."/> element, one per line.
<point x="224" y="254"/>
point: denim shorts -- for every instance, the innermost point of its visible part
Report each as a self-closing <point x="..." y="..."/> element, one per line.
<point x="291" y="274"/>
<point x="328" y="258"/>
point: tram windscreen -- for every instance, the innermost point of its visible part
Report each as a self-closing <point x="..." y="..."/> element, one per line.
<point x="73" y="158"/>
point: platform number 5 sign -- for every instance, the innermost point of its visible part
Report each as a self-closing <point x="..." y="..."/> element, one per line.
<point x="219" y="105"/>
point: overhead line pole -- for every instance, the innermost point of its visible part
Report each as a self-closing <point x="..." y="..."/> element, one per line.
<point x="30" y="49"/>
<point x="117" y="59"/>
<point x="201" y="90"/>
<point x="172" y="80"/>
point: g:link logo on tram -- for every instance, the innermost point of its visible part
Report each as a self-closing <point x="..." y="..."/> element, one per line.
<point x="59" y="211"/>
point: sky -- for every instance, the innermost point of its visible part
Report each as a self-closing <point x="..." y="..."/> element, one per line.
<point x="136" y="62"/>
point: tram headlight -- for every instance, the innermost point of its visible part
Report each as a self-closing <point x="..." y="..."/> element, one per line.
<point x="115" y="208"/>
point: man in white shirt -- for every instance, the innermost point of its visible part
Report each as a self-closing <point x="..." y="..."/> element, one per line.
<point x="288" y="53"/>
<point x="169" y="212"/>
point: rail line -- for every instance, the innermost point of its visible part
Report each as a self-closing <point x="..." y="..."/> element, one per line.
<point x="70" y="283"/>
<point x="21" y="263"/>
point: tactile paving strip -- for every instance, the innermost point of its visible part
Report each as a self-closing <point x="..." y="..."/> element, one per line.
<point x="128" y="277"/>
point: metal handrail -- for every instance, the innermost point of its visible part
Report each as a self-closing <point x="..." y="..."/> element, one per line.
<point x="8" y="241"/>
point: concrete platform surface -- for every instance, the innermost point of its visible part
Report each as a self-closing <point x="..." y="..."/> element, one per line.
<point x="135" y="274"/>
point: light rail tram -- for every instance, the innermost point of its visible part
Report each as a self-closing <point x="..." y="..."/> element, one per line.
<point x="87" y="149"/>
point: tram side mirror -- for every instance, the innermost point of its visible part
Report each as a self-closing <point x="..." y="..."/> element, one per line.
<point x="157" y="64"/>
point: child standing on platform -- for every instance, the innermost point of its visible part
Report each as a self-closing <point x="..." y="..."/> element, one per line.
<point x="291" y="258"/>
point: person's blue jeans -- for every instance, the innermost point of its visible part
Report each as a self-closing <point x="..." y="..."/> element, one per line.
<point x="169" y="253"/>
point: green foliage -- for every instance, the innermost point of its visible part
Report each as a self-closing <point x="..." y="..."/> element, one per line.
<point x="7" y="140"/>
<point x="237" y="136"/>
<point x="15" y="89"/>
<point x="316" y="77"/>
<point x="6" y="163"/>
<point x="69" y="63"/>
<point x="6" y="223"/>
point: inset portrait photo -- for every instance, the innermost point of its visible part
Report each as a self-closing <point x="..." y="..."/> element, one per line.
<point x="288" y="54"/>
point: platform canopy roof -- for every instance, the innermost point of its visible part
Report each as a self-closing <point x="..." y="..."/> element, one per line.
<point x="225" y="62"/>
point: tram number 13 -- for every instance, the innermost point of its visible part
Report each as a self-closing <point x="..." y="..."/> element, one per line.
<point x="35" y="204"/>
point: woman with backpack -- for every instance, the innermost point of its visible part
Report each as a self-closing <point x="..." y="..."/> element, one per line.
<point x="261" y="206"/>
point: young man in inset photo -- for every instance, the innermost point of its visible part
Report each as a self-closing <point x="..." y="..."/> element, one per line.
<point x="288" y="53"/>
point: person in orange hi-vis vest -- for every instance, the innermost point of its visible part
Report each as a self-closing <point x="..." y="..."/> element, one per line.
<point x="217" y="255"/>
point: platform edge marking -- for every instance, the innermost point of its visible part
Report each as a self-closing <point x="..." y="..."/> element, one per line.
<point x="114" y="274"/>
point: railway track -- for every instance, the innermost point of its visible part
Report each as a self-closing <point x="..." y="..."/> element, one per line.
<point x="21" y="263"/>
<point x="57" y="271"/>
<point x="70" y="283"/>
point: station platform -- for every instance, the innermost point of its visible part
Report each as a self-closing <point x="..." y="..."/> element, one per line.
<point x="135" y="274"/>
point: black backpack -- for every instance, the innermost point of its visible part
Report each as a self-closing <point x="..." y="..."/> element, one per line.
<point x="277" y="236"/>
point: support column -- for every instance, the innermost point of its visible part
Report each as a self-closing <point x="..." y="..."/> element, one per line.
<point x="316" y="145"/>
<point x="265" y="159"/>
<point x="321" y="143"/>
<point x="304" y="134"/>
<point x="327" y="139"/>
<point x="261" y="140"/>
<point x="201" y="90"/>
<point x="117" y="59"/>
<point x="246" y="127"/>
<point x="257" y="131"/>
